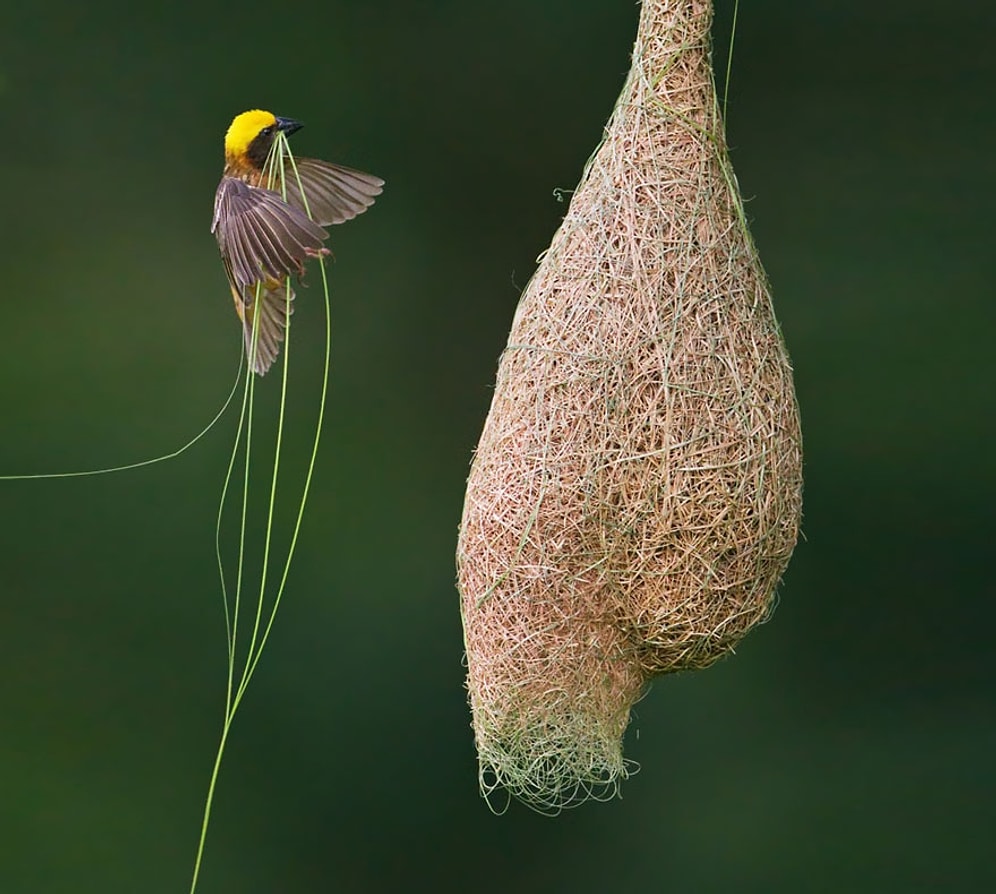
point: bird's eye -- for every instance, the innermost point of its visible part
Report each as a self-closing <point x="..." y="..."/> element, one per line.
<point x="266" y="131"/>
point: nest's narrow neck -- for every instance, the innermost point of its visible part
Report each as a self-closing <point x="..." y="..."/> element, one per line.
<point x="672" y="64"/>
<point x="670" y="13"/>
<point x="671" y="27"/>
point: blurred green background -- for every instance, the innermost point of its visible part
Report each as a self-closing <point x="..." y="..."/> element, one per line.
<point x="848" y="746"/>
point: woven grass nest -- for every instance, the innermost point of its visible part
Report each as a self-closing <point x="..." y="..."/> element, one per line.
<point x="636" y="492"/>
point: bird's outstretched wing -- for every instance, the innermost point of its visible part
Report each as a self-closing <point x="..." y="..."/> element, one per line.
<point x="335" y="193"/>
<point x="260" y="235"/>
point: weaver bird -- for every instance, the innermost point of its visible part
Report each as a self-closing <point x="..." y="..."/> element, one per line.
<point x="265" y="238"/>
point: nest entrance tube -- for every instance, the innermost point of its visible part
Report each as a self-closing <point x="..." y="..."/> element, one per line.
<point x="636" y="491"/>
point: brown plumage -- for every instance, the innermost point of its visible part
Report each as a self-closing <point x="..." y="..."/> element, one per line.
<point x="263" y="237"/>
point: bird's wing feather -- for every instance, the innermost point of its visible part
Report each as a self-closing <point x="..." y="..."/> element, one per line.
<point x="335" y="193"/>
<point x="259" y="234"/>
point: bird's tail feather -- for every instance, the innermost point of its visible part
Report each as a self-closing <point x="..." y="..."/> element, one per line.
<point x="274" y="303"/>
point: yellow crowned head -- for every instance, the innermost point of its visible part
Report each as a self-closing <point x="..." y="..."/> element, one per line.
<point x="244" y="129"/>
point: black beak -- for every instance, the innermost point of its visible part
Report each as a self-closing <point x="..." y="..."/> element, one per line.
<point x="288" y="125"/>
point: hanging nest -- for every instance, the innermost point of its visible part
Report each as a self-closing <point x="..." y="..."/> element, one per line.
<point x="636" y="492"/>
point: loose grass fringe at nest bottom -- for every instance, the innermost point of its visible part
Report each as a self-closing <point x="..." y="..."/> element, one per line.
<point x="553" y="767"/>
<point x="550" y="714"/>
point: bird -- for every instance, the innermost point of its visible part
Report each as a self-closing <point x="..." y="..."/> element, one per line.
<point x="264" y="237"/>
